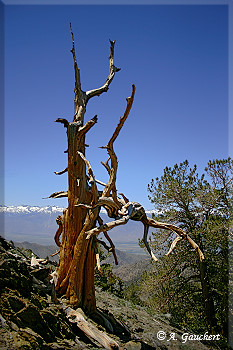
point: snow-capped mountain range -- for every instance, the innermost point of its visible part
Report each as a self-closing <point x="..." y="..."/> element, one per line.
<point x="27" y="209"/>
<point x="38" y="225"/>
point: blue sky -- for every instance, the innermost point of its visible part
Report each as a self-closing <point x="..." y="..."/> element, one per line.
<point x="176" y="55"/>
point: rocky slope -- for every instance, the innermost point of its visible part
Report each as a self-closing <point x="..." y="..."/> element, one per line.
<point x="32" y="318"/>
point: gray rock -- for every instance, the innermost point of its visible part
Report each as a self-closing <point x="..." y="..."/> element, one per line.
<point x="132" y="345"/>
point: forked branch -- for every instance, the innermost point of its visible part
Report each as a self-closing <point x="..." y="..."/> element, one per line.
<point x="112" y="70"/>
<point x="82" y="97"/>
<point x="179" y="232"/>
<point x="134" y="211"/>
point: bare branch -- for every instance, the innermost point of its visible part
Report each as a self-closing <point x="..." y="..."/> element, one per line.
<point x="106" y="165"/>
<point x="80" y="99"/>
<point x="123" y="118"/>
<point x="108" y="202"/>
<point x="98" y="264"/>
<point x="59" y="194"/>
<point x="150" y="222"/>
<point x="63" y="121"/>
<point x="111" y="185"/>
<point x="82" y="205"/>
<point x="112" y="249"/>
<point x="55" y="253"/>
<point x="61" y="172"/>
<point x="108" y="226"/>
<point x="112" y="71"/>
<point x="84" y="129"/>
<point x="173" y="245"/>
<point x="100" y="182"/>
<point x="146" y="230"/>
<point x="103" y="244"/>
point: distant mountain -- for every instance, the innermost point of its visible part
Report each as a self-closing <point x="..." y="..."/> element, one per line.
<point x="38" y="225"/>
<point x="42" y="251"/>
<point x="125" y="258"/>
<point x="29" y="223"/>
<point x="130" y="266"/>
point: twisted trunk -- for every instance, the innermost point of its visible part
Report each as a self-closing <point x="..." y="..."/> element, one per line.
<point x="77" y="255"/>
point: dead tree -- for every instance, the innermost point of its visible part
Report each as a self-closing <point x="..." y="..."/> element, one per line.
<point x="78" y="224"/>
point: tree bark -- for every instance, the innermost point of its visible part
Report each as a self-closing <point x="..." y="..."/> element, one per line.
<point x="77" y="255"/>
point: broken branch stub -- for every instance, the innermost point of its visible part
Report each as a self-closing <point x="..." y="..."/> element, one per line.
<point x="61" y="172"/>
<point x="63" y="121"/>
<point x="84" y="129"/>
<point x="59" y="194"/>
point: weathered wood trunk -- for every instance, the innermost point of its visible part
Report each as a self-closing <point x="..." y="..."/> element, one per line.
<point x="77" y="255"/>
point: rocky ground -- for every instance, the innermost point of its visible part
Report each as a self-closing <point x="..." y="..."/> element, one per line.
<point x="31" y="318"/>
